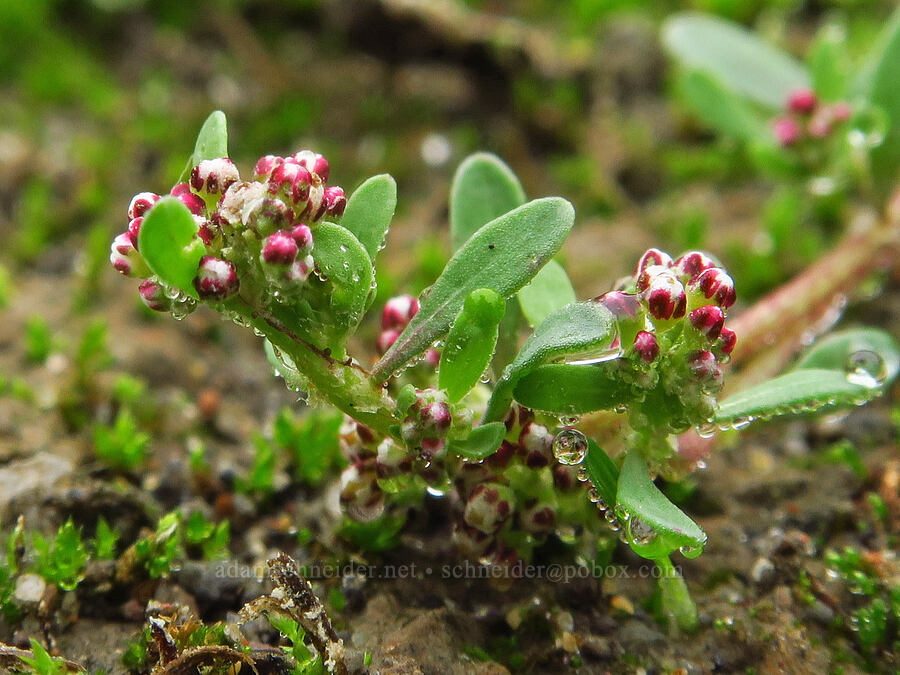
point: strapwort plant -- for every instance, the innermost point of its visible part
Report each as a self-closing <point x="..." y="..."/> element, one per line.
<point x="291" y="258"/>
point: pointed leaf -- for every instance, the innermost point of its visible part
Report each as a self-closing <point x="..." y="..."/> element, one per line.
<point x="642" y="501"/>
<point x="735" y="57"/>
<point x="481" y="442"/>
<point x="370" y="210"/>
<point x="602" y="472"/>
<point x="484" y="188"/>
<point x="212" y="141"/>
<point x="285" y="367"/>
<point x="880" y="85"/>
<point x="562" y="389"/>
<point x="169" y="244"/>
<point x="722" y="109"/>
<point x="829" y="64"/>
<point x="341" y="258"/>
<point x="547" y="292"/>
<point x="803" y="390"/>
<point x="470" y="343"/>
<point x="579" y="328"/>
<point x="503" y="255"/>
<point x="834" y="352"/>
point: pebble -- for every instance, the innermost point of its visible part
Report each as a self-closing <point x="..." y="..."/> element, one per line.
<point x="763" y="571"/>
<point x="29" y="589"/>
<point x="38" y="472"/>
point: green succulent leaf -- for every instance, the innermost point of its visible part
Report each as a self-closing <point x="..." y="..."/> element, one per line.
<point x="212" y="141"/>
<point x="470" y="343"/>
<point x="482" y="442"/>
<point x="803" y="390"/>
<point x="837" y="350"/>
<point x="879" y="84"/>
<point x="503" y="255"/>
<point x="346" y="265"/>
<point x="722" y="109"/>
<point x="370" y="210"/>
<point x="169" y="244"/>
<point x="578" y="329"/>
<point x="562" y="389"/>
<point x="734" y="55"/>
<point x="655" y="526"/>
<point x="547" y="292"/>
<point x="829" y="64"/>
<point x="484" y="188"/>
<point x="285" y="367"/>
<point x="602" y="472"/>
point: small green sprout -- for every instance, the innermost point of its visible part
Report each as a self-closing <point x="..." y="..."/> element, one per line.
<point x="38" y="340"/>
<point x="260" y="480"/>
<point x="122" y="446"/>
<point x="306" y="661"/>
<point x="159" y="551"/>
<point x="212" y="538"/>
<point x="311" y="441"/>
<point x="41" y="663"/>
<point x="61" y="561"/>
<point x="105" y="540"/>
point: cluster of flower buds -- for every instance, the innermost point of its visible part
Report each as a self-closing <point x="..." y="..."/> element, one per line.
<point x="361" y="497"/>
<point x="424" y="430"/>
<point x="806" y="117"/>
<point x="396" y="314"/>
<point x="671" y="326"/>
<point x="258" y="235"/>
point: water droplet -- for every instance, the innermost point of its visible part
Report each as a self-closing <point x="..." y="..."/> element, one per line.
<point x="594" y="495"/>
<point x="582" y="474"/>
<point x="639" y="532"/>
<point x="597" y="356"/>
<point x="707" y="430"/>
<point x="691" y="552"/>
<point x="570" y="447"/>
<point x="365" y="512"/>
<point x="865" y="368"/>
<point x="622" y="513"/>
<point x="621" y="408"/>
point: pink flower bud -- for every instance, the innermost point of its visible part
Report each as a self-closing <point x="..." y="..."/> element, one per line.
<point x="708" y="320"/>
<point x="134" y="229"/>
<point x="398" y="311"/>
<point x="291" y="180"/>
<point x="303" y="237"/>
<point x="821" y="124"/>
<point x="180" y="189"/>
<point x="690" y="265"/>
<point x="565" y="477"/>
<point x="214" y="176"/>
<point x="787" y="131"/>
<point x="704" y="367"/>
<point x="299" y="271"/>
<point x="489" y="506"/>
<point x="268" y="213"/>
<point x="715" y="284"/>
<point x="315" y="203"/>
<point x="216" y="279"/>
<point x="312" y="162"/>
<point x="195" y="203"/>
<point x="538" y="518"/>
<point x="802" y="101"/>
<point x="392" y="460"/>
<point x="471" y="543"/>
<point x="279" y="248"/>
<point x="646" y="346"/>
<point x="434" y="419"/>
<point x="502" y="456"/>
<point x="537" y="443"/>
<point x="385" y="339"/>
<point x="335" y="202"/>
<point x="141" y="203"/>
<point x="154" y="296"/>
<point x="664" y="295"/>
<point x="125" y="258"/>
<point x="841" y="111"/>
<point x="727" y="340"/>
<point x="265" y="166"/>
<point x="652" y="256"/>
<point x="360" y="495"/>
<point x="621" y="305"/>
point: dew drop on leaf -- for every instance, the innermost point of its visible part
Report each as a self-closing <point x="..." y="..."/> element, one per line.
<point x="570" y="447"/>
<point x="691" y="552"/>
<point x="865" y="368"/>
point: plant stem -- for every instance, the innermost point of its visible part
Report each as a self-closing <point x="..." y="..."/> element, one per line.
<point x="675" y="597"/>
<point x="344" y="384"/>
